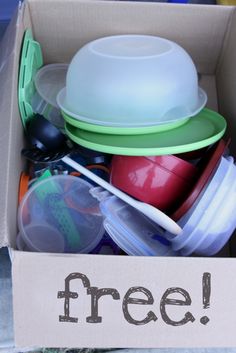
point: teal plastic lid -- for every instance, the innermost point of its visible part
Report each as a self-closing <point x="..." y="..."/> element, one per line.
<point x="31" y="60"/>
<point x="200" y="131"/>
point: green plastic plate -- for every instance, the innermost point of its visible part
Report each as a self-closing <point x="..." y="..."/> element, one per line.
<point x="200" y="131"/>
<point x="31" y="60"/>
<point x="121" y="130"/>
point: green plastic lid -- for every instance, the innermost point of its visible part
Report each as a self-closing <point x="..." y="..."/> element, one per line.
<point x="116" y="130"/>
<point x="200" y="131"/>
<point x="31" y="60"/>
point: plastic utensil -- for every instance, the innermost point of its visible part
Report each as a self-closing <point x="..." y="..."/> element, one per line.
<point x="211" y="159"/>
<point x="200" y="131"/>
<point x="49" y="80"/>
<point x="160" y="181"/>
<point x="151" y="212"/>
<point x="63" y="202"/>
<point x="131" y="81"/>
<point x="44" y="135"/>
<point x="148" y="210"/>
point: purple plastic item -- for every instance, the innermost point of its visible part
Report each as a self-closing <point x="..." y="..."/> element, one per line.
<point x="178" y="1"/>
<point x="107" y="247"/>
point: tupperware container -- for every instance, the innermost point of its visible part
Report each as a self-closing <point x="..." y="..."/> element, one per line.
<point x="41" y="237"/>
<point x="132" y="231"/>
<point x="210" y="222"/>
<point x="58" y="214"/>
<point x="131" y="81"/>
<point x="222" y="225"/>
<point x="49" y="80"/>
<point x="207" y="167"/>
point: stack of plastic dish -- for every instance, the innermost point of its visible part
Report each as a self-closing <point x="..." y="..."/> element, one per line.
<point x="122" y="86"/>
<point x="210" y="222"/>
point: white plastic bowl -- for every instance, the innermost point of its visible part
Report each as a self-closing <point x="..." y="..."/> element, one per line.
<point x="211" y="221"/>
<point x="131" y="81"/>
<point x="222" y="225"/>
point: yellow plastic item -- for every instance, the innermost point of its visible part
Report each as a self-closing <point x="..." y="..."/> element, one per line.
<point x="226" y="2"/>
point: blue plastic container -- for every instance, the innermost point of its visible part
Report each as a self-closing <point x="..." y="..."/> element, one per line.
<point x="178" y="1"/>
<point x="7" y="8"/>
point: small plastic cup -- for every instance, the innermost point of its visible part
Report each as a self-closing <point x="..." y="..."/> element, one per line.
<point x="41" y="237"/>
<point x="49" y="80"/>
<point x="61" y="211"/>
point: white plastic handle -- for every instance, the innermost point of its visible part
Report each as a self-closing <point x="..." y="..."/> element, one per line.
<point x="151" y="212"/>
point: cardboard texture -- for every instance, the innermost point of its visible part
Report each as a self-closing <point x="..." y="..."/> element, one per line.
<point x="62" y="27"/>
<point x="48" y="273"/>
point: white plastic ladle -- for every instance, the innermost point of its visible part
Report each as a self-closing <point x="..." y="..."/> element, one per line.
<point x="149" y="211"/>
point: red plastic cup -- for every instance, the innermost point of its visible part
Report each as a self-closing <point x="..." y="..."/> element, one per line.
<point x="162" y="181"/>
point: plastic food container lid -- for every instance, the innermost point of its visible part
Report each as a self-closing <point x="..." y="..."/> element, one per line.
<point x="62" y="203"/>
<point x="132" y="231"/>
<point x="41" y="237"/>
<point x="222" y="223"/>
<point x="49" y="80"/>
<point x="198" y="224"/>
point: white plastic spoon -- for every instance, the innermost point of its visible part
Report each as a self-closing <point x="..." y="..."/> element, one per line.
<point x="149" y="211"/>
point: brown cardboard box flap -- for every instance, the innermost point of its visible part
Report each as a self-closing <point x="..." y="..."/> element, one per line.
<point x="7" y="79"/>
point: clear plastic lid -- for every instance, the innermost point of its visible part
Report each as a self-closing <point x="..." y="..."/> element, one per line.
<point x="132" y="231"/>
<point x="199" y="229"/>
<point x="64" y="205"/>
<point x="49" y="80"/>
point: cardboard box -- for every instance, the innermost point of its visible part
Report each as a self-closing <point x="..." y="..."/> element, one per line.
<point x="105" y="301"/>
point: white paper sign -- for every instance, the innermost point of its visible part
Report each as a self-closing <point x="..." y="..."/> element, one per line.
<point x="122" y="301"/>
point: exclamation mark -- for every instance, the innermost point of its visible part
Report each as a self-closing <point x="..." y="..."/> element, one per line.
<point x="206" y="293"/>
